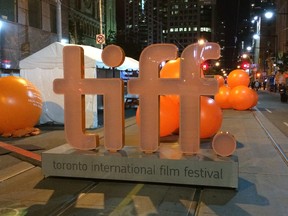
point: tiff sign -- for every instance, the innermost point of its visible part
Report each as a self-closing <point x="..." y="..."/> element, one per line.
<point x="149" y="86"/>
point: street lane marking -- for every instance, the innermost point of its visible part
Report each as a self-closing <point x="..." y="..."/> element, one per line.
<point x="285" y="123"/>
<point x="268" y="110"/>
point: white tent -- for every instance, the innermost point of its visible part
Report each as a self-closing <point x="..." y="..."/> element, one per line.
<point x="46" y="65"/>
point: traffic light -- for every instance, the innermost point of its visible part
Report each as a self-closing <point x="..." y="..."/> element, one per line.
<point x="245" y="65"/>
<point x="204" y="66"/>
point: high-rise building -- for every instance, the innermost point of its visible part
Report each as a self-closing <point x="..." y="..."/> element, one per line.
<point x="265" y="44"/>
<point x="281" y="14"/>
<point x="180" y="22"/>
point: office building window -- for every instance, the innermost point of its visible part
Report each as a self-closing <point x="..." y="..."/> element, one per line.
<point x="35" y="15"/>
<point x="53" y="20"/>
<point x="7" y="10"/>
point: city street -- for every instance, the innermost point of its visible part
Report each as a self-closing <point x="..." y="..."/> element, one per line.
<point x="276" y="111"/>
<point x="56" y="160"/>
<point x="262" y="149"/>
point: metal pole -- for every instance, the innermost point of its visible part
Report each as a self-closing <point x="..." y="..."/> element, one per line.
<point x="257" y="44"/>
<point x="276" y="47"/>
<point x="59" y="21"/>
<point x="100" y="17"/>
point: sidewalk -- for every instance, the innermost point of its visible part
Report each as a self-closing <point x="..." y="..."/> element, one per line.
<point x="263" y="181"/>
<point x="263" y="175"/>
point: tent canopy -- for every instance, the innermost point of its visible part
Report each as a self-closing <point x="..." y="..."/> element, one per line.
<point x="52" y="57"/>
<point x="44" y="66"/>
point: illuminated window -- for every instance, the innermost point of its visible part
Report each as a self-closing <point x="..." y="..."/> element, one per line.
<point x="205" y="29"/>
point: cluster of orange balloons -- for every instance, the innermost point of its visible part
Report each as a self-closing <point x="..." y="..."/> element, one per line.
<point x="20" y="104"/>
<point x="210" y="112"/>
<point x="236" y="94"/>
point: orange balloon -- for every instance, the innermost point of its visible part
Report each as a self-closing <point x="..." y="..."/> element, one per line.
<point x="241" y="98"/>
<point x="238" y="77"/>
<point x="171" y="69"/>
<point x="20" y="104"/>
<point x="255" y="98"/>
<point x="220" y="80"/>
<point x="210" y="118"/>
<point x="222" y="97"/>
<point x="169" y="116"/>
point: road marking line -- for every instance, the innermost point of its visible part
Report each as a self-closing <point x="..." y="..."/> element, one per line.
<point x="268" y="110"/>
<point x="285" y="123"/>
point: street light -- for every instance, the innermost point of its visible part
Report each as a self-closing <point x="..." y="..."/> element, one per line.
<point x="269" y="14"/>
<point x="257" y="40"/>
<point x="257" y="36"/>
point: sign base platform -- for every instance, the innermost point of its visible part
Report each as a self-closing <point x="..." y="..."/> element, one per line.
<point x="167" y="165"/>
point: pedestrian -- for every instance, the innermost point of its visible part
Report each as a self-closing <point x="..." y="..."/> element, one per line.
<point x="257" y="85"/>
<point x="264" y="84"/>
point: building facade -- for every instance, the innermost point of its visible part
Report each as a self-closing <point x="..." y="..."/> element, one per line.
<point x="282" y="28"/>
<point x="263" y="32"/>
<point x="180" y="22"/>
<point x="30" y="25"/>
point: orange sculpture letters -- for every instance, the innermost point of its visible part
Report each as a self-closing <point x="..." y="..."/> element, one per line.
<point x="149" y="86"/>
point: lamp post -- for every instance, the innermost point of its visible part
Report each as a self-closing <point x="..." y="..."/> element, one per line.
<point x="59" y="21"/>
<point x="257" y="36"/>
<point x="257" y="41"/>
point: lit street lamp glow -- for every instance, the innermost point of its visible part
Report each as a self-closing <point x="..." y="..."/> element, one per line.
<point x="256" y="36"/>
<point x="201" y="41"/>
<point x="269" y="14"/>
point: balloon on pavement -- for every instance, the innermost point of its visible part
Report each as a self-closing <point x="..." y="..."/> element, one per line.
<point x="241" y="98"/>
<point x="20" y="104"/>
<point x="169" y="116"/>
<point x="210" y="117"/>
<point x="255" y="97"/>
<point x="238" y="77"/>
<point x="222" y="97"/>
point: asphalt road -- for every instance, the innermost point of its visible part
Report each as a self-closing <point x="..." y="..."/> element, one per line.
<point x="274" y="110"/>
